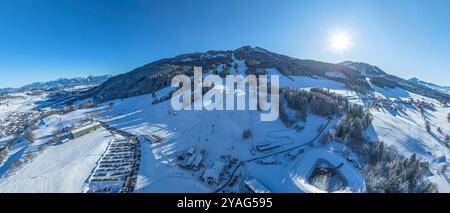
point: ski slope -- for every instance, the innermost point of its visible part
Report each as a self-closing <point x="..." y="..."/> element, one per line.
<point x="60" y="168"/>
<point x="405" y="130"/>
<point x="305" y="81"/>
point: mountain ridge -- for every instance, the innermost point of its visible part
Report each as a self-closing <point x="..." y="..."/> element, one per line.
<point x="430" y="85"/>
<point x="156" y="75"/>
<point x="60" y="82"/>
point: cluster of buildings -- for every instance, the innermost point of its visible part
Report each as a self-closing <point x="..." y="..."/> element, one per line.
<point x="399" y="103"/>
<point x="213" y="174"/>
<point x="219" y="170"/>
<point x="17" y="122"/>
<point x="386" y="103"/>
<point x="192" y="159"/>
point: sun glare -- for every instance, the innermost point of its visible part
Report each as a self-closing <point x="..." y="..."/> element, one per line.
<point x="340" y="41"/>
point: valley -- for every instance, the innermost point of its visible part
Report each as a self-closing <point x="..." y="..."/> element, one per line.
<point x="118" y="137"/>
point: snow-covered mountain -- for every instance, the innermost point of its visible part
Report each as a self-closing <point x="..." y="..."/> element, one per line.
<point x="348" y="127"/>
<point x="363" y="68"/>
<point x="60" y="83"/>
<point x="380" y="78"/>
<point x="157" y="75"/>
<point x="445" y="89"/>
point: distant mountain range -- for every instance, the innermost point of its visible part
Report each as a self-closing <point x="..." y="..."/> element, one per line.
<point x="61" y="82"/>
<point x="445" y="89"/>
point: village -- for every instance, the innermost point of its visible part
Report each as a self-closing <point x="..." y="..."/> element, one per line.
<point x="14" y="121"/>
<point x="380" y="102"/>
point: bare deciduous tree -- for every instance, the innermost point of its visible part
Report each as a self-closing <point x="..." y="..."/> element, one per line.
<point x="30" y="136"/>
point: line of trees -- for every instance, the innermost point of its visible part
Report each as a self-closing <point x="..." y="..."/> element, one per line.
<point x="296" y="103"/>
<point x="388" y="171"/>
<point x="247" y="134"/>
<point x="385" y="169"/>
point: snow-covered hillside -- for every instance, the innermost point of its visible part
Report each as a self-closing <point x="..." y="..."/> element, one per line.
<point x="445" y="89"/>
<point x="61" y="168"/>
<point x="143" y="145"/>
<point x="403" y="125"/>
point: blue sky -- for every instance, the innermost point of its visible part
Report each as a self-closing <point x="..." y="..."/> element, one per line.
<point x="47" y="39"/>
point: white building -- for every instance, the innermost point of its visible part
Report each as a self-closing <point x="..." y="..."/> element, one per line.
<point x="194" y="161"/>
<point x="255" y="186"/>
<point x="191" y="151"/>
<point x="84" y="130"/>
<point x="212" y="175"/>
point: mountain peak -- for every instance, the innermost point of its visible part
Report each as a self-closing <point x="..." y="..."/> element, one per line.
<point x="414" y="79"/>
<point x="363" y="68"/>
<point x="249" y="48"/>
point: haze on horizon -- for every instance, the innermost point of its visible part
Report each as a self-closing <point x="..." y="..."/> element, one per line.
<point x="49" y="39"/>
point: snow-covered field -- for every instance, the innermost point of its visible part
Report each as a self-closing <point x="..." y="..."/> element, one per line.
<point x="60" y="168"/>
<point x="405" y="130"/>
<point x="50" y="168"/>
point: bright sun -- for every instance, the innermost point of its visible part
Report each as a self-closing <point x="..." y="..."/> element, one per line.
<point x="340" y="41"/>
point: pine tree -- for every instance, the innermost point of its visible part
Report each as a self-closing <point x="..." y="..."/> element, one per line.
<point x="427" y="126"/>
<point x="246" y="134"/>
<point x="356" y="127"/>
